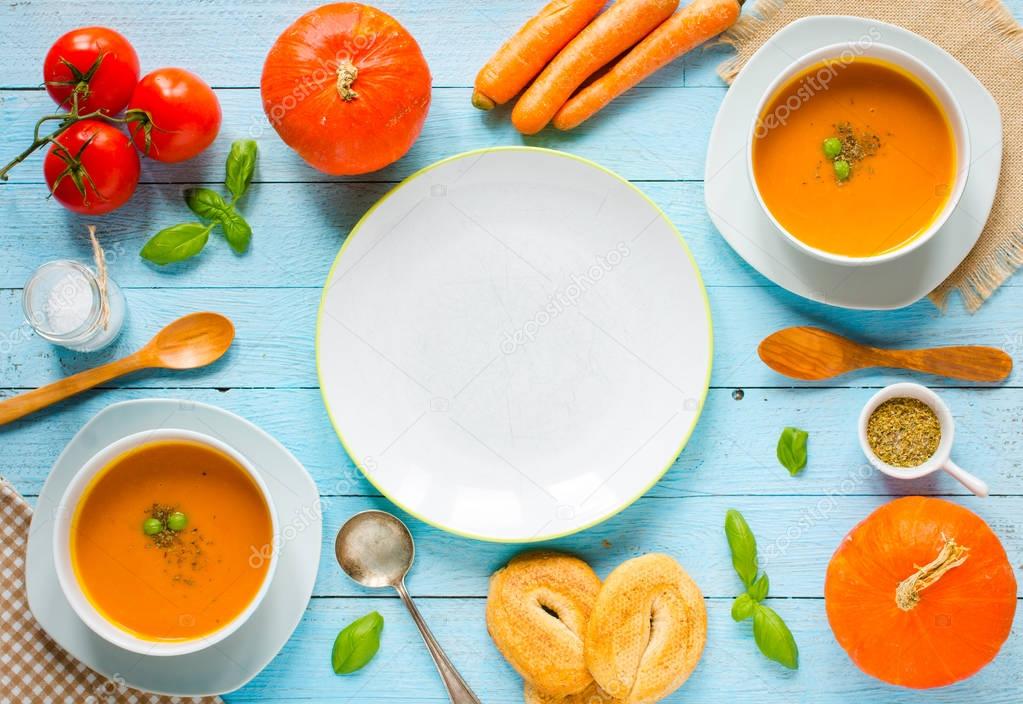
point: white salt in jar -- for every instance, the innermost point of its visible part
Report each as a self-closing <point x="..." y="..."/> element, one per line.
<point x="63" y="304"/>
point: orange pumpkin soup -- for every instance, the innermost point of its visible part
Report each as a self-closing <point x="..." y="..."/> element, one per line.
<point x="894" y="142"/>
<point x="166" y="540"/>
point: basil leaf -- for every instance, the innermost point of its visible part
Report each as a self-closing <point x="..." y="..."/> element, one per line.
<point x="177" y="243"/>
<point x="743" y="546"/>
<point x="758" y="590"/>
<point x="241" y="163"/>
<point x="208" y="204"/>
<point x="774" y="638"/>
<point x="742" y="607"/>
<point x="356" y="644"/>
<point x="792" y="449"/>
<point x="237" y="231"/>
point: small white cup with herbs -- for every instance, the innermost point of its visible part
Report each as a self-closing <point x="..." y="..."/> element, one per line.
<point x="906" y="432"/>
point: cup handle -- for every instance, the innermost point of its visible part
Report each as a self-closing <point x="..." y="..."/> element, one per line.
<point x="975" y="484"/>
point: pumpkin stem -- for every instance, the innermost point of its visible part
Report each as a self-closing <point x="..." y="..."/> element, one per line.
<point x="346" y="75"/>
<point x="907" y="594"/>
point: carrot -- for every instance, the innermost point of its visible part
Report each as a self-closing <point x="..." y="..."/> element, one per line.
<point x="523" y="56"/>
<point x="698" y="22"/>
<point x="614" y="31"/>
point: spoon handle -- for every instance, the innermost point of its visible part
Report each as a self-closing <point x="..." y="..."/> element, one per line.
<point x="458" y="690"/>
<point x="971" y="363"/>
<point x="32" y="401"/>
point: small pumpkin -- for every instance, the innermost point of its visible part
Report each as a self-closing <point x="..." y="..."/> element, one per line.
<point x="347" y="87"/>
<point x="921" y="593"/>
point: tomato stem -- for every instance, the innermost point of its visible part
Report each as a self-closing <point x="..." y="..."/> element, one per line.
<point x="66" y="120"/>
<point x="79" y="81"/>
<point x="74" y="170"/>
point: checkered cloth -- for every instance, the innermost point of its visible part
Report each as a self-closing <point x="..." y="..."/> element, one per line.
<point x="34" y="669"/>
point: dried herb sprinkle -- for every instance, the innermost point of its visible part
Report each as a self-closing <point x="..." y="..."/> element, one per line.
<point x="183" y="548"/>
<point x="904" y="432"/>
<point x="846" y="148"/>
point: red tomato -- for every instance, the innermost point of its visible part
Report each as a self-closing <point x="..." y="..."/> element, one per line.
<point x="92" y="169"/>
<point x="71" y="66"/>
<point x="176" y="115"/>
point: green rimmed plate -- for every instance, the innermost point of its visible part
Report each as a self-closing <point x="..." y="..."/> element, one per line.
<point x="514" y="344"/>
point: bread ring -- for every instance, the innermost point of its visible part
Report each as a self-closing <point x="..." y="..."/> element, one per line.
<point x="647" y="630"/>
<point x="537" y="611"/>
<point x="591" y="695"/>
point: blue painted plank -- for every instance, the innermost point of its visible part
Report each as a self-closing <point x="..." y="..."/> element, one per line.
<point x="650" y="134"/>
<point x="174" y="41"/>
<point x="796" y="537"/>
<point x="731" y="669"/>
<point x="731" y="453"/>
<point x="298" y="231"/>
<point x="275" y="342"/>
<point x="193" y="36"/>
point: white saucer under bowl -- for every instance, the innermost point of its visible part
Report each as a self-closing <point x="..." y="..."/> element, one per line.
<point x="732" y="203"/>
<point x="232" y="662"/>
<point x="514" y="344"/>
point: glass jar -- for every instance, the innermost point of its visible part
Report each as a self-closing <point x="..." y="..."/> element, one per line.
<point x="62" y="303"/>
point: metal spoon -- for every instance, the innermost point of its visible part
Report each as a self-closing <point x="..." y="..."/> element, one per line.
<point x="376" y="550"/>
<point x="189" y="342"/>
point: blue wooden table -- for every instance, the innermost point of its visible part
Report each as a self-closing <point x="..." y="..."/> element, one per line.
<point x="656" y="136"/>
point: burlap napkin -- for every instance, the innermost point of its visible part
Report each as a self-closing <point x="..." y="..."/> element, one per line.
<point x="985" y="38"/>
<point x="32" y="667"/>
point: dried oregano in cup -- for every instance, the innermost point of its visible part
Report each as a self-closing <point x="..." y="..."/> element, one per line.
<point x="904" y="432"/>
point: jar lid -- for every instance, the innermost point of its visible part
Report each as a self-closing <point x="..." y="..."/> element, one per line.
<point x="55" y="303"/>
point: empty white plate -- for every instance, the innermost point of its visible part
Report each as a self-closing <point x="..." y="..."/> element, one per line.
<point x="231" y="663"/>
<point x="735" y="212"/>
<point x="514" y="344"/>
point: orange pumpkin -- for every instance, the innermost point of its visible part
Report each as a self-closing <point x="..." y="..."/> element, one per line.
<point x="921" y="593"/>
<point x="347" y="88"/>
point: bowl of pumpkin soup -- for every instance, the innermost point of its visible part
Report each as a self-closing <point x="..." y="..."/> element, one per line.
<point x="166" y="542"/>
<point x="858" y="153"/>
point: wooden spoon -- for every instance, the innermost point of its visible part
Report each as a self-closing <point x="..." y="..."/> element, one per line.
<point x="814" y="354"/>
<point x="189" y="342"/>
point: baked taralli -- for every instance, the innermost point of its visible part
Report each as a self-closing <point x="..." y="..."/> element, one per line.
<point x="591" y="695"/>
<point x="537" y="611"/>
<point x="647" y="630"/>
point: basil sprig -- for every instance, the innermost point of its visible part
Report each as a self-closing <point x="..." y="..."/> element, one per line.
<point x="356" y="644"/>
<point x="792" y="449"/>
<point x="183" y="241"/>
<point x="771" y="634"/>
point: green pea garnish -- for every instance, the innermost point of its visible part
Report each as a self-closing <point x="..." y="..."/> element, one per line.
<point x="177" y="521"/>
<point x="151" y="526"/>
<point x="842" y="169"/>
<point x="832" y="147"/>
